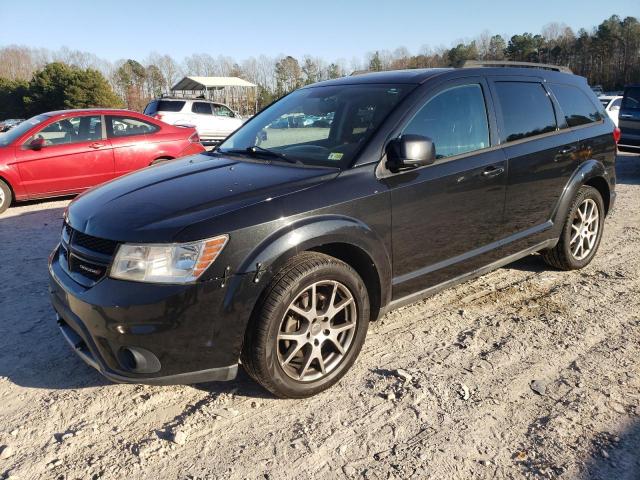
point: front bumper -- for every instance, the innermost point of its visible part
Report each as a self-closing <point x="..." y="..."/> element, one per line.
<point x="189" y="331"/>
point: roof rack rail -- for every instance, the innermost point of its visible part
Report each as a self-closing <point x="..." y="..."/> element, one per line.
<point x="505" y="63"/>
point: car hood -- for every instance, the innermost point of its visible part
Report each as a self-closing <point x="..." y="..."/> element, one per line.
<point x="155" y="204"/>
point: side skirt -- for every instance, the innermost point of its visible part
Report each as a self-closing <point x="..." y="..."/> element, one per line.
<point x="422" y="294"/>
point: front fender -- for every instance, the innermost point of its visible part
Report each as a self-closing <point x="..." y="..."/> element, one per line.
<point x="10" y="173"/>
<point x="585" y="172"/>
<point x="313" y="232"/>
<point x="258" y="268"/>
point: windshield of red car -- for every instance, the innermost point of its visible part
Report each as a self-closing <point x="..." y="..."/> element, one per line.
<point x="7" y="138"/>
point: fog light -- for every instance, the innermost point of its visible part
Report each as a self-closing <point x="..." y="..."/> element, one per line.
<point x="138" y="360"/>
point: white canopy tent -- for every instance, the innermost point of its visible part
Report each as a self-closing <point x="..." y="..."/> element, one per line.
<point x="233" y="91"/>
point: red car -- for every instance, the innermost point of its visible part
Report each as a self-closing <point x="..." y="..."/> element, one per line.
<point x="66" y="152"/>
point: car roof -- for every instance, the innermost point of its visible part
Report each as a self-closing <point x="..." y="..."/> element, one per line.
<point x="419" y="76"/>
<point x="76" y="111"/>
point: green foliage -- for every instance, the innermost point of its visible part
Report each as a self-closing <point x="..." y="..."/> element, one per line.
<point x="461" y="52"/>
<point x="288" y="76"/>
<point x="58" y="86"/>
<point x="375" y="64"/>
<point x="11" y="98"/>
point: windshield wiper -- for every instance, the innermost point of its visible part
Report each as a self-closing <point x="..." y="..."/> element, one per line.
<point x="255" y="149"/>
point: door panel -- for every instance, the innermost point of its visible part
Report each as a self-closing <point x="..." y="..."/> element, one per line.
<point x="131" y="139"/>
<point x="444" y="212"/>
<point x="541" y="158"/>
<point x="75" y="157"/>
<point x="538" y="172"/>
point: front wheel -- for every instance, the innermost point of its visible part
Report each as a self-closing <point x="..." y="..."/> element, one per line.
<point x="581" y="233"/>
<point x="5" y="196"/>
<point x="311" y="325"/>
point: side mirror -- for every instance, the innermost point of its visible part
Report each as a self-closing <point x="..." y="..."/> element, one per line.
<point x="410" y="151"/>
<point x="37" y="143"/>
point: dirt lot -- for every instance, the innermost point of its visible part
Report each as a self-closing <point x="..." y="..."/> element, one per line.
<point x="442" y="388"/>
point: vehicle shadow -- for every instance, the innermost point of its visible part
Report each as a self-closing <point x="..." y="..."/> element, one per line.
<point x="243" y="385"/>
<point x="628" y="168"/>
<point x="615" y="456"/>
<point x="531" y="263"/>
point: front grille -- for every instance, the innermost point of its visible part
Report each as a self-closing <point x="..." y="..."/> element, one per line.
<point x="84" y="257"/>
<point x="100" y="245"/>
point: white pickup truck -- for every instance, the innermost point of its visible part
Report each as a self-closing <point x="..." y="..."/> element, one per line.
<point x="213" y="121"/>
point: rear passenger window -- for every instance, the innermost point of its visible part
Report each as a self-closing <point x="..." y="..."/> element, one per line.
<point x="127" y="127"/>
<point x="526" y="110"/>
<point x="169" y="106"/>
<point x="456" y="121"/>
<point x="577" y="108"/>
<point x="201" y="107"/>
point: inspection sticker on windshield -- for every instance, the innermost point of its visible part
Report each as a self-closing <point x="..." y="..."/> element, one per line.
<point x="336" y="156"/>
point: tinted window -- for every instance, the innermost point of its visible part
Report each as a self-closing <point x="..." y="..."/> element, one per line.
<point x="151" y="108"/>
<point x="456" y="121"/>
<point x="127" y="127"/>
<point x="222" y="111"/>
<point x="201" y="107"/>
<point x="616" y="104"/>
<point x="71" y="130"/>
<point x="526" y="110"/>
<point x="577" y="108"/>
<point x="631" y="98"/>
<point x="169" y="106"/>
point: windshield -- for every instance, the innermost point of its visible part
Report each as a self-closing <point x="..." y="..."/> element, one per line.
<point x="9" y="137"/>
<point x="323" y="126"/>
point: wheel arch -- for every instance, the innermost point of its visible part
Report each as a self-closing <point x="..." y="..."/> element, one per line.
<point x="600" y="184"/>
<point x="591" y="172"/>
<point x="344" y="238"/>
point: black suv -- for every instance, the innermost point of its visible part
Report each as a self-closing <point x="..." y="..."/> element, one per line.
<point x="278" y="248"/>
<point x="629" y="118"/>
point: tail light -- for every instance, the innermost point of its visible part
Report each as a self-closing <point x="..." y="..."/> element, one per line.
<point x="194" y="138"/>
<point x="616" y="134"/>
<point x="158" y="116"/>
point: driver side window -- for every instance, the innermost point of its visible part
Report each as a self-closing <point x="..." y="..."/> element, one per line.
<point x="71" y="130"/>
<point x="455" y="119"/>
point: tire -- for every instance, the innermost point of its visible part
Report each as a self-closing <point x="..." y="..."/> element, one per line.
<point x="327" y="347"/>
<point x="6" y="197"/>
<point x="568" y="255"/>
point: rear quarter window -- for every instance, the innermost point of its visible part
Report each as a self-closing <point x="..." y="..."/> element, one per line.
<point x="578" y="109"/>
<point x="169" y="106"/>
<point x="631" y="98"/>
<point x="526" y="110"/>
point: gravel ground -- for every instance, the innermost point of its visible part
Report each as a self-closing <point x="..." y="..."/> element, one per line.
<point x="526" y="372"/>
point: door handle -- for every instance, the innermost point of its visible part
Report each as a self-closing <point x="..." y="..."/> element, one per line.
<point x="96" y="145"/>
<point x="492" y="171"/>
<point x="625" y="115"/>
<point x="566" y="150"/>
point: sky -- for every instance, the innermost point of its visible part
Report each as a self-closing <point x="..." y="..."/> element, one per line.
<point x="241" y="28"/>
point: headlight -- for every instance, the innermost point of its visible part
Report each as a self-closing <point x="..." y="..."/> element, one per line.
<point x="172" y="263"/>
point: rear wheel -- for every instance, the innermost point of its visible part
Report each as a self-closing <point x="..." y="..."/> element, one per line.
<point x="310" y="327"/>
<point x="5" y="196"/>
<point x="581" y="233"/>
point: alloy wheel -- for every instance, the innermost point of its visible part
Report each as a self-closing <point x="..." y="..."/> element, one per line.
<point x="584" y="229"/>
<point x="317" y="331"/>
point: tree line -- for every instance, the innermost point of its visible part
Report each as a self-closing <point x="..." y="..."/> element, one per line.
<point x="36" y="80"/>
